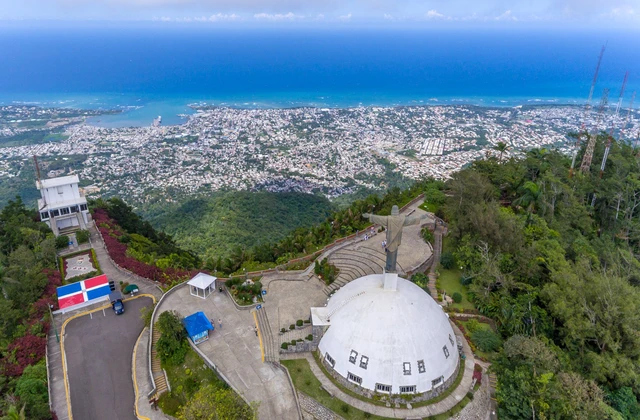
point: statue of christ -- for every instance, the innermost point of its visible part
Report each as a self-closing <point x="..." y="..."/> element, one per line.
<point x="394" y="225"/>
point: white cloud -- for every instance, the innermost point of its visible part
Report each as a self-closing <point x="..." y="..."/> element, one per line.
<point x="345" y="18"/>
<point x="223" y="17"/>
<point x="388" y="17"/>
<point x="277" y="16"/>
<point x="507" y="15"/>
<point x="433" y="14"/>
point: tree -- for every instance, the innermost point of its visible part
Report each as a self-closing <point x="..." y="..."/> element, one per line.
<point x="501" y="147"/>
<point x="172" y="346"/>
<point x="62" y="241"/>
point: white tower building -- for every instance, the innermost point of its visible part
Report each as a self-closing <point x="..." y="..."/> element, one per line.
<point x="62" y="206"/>
<point x="386" y="334"/>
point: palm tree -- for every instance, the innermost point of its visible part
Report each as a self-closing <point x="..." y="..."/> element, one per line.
<point x="531" y="196"/>
<point x="501" y="147"/>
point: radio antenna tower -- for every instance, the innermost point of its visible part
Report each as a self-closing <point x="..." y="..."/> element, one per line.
<point x="588" y="153"/>
<point x="587" y="107"/>
<point x="613" y="121"/>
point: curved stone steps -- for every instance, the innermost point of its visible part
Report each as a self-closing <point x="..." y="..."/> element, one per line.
<point x="379" y="256"/>
<point x="349" y="271"/>
<point x="366" y="267"/>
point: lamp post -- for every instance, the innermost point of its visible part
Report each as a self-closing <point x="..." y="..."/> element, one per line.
<point x="53" y="322"/>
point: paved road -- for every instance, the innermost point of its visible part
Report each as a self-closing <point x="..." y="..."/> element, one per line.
<point x="98" y="350"/>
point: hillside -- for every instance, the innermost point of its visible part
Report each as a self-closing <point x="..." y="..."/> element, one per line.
<point x="552" y="259"/>
<point x="212" y="226"/>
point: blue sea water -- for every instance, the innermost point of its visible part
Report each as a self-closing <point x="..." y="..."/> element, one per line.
<point x="156" y="70"/>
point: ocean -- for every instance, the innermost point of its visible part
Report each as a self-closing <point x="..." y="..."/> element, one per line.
<point x="158" y="69"/>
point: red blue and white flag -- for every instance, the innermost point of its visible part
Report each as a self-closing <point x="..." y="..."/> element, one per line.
<point x="83" y="291"/>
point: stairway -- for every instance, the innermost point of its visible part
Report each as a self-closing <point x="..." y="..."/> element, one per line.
<point x="268" y="342"/>
<point x="159" y="378"/>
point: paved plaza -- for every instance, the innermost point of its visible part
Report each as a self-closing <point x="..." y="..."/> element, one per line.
<point x="235" y="350"/>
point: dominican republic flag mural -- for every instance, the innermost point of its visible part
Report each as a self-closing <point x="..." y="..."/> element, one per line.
<point x="83" y="291"/>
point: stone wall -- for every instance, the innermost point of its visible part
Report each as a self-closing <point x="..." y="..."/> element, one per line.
<point x="312" y="409"/>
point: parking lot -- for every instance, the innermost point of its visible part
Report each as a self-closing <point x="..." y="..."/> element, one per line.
<point x="98" y="349"/>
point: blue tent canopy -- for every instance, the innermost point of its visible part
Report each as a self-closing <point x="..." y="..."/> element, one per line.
<point x="198" y="326"/>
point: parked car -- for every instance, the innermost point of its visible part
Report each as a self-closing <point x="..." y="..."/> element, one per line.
<point x="116" y="302"/>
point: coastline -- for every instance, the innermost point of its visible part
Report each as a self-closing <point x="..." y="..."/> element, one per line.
<point x="141" y="110"/>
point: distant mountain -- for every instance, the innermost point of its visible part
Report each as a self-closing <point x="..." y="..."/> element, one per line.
<point x="212" y="226"/>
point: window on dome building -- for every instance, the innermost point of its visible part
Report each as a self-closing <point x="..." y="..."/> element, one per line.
<point x="451" y="340"/>
<point x="364" y="361"/>
<point x="446" y="351"/>
<point x="353" y="356"/>
<point x="407" y="389"/>
<point x="83" y="207"/>
<point x="383" y="388"/>
<point x="421" y="368"/>
<point x="44" y="215"/>
<point x="73" y="209"/>
<point x="406" y="368"/>
<point x="354" y="378"/>
<point x="437" y="382"/>
<point x="64" y="210"/>
<point x="329" y="359"/>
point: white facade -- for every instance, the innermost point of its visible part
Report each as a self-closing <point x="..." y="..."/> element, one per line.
<point x="387" y="339"/>
<point x="62" y="206"/>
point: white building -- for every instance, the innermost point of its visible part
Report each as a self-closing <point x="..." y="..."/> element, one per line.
<point x="387" y="335"/>
<point x="62" y="206"/>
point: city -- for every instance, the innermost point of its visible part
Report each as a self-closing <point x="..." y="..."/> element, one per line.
<point x="316" y="150"/>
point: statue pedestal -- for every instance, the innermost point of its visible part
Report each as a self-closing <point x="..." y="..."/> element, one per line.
<point x="390" y="281"/>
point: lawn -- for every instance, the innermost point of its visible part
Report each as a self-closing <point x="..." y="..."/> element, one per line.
<point x="449" y="281"/>
<point x="306" y="382"/>
<point x="185" y="380"/>
<point x="430" y="207"/>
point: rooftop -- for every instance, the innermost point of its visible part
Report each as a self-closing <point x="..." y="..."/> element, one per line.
<point x="57" y="182"/>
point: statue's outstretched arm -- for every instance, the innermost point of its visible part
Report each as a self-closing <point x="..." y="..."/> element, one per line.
<point x="378" y="220"/>
<point x="414" y="220"/>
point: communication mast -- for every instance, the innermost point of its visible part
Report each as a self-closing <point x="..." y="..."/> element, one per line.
<point x="587" y="107"/>
<point x="610" y="138"/>
<point x="588" y="153"/>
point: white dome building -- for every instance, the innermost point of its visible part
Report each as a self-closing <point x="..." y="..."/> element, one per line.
<point x="386" y="334"/>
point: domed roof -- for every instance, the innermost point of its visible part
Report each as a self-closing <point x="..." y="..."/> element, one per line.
<point x="396" y="336"/>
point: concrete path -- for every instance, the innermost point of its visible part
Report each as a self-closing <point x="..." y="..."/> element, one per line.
<point x="235" y="350"/>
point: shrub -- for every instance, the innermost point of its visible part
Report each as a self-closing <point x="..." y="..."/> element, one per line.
<point x="310" y="337"/>
<point x="472" y="325"/>
<point x="283" y="330"/>
<point x="486" y="340"/>
<point x="447" y="260"/>
<point x="62" y="241"/>
<point x="344" y="408"/>
<point x="465" y="281"/>
<point x="172" y="346"/>
<point x="292" y="327"/>
<point x="293" y="342"/>
<point x="284" y="346"/>
<point x="82" y="236"/>
<point x="427" y="235"/>
<point x="457" y="297"/>
<point x="299" y="323"/>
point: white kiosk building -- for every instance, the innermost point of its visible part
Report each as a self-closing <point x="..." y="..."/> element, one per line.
<point x="201" y="285"/>
<point x="62" y="206"/>
<point x="387" y="335"/>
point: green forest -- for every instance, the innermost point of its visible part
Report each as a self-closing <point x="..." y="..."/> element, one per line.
<point x="213" y="226"/>
<point x="28" y="280"/>
<point x="551" y="257"/>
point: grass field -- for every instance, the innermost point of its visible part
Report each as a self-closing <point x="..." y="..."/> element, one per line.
<point x="306" y="382"/>
<point x="450" y="282"/>
<point x="485" y="355"/>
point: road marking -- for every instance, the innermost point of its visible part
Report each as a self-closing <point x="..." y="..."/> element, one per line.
<point x="90" y="315"/>
<point x="255" y="318"/>
<point x="64" y="356"/>
<point x="103" y="314"/>
<point x="135" y="379"/>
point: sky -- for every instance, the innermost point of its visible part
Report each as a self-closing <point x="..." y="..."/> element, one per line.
<point x="427" y="13"/>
